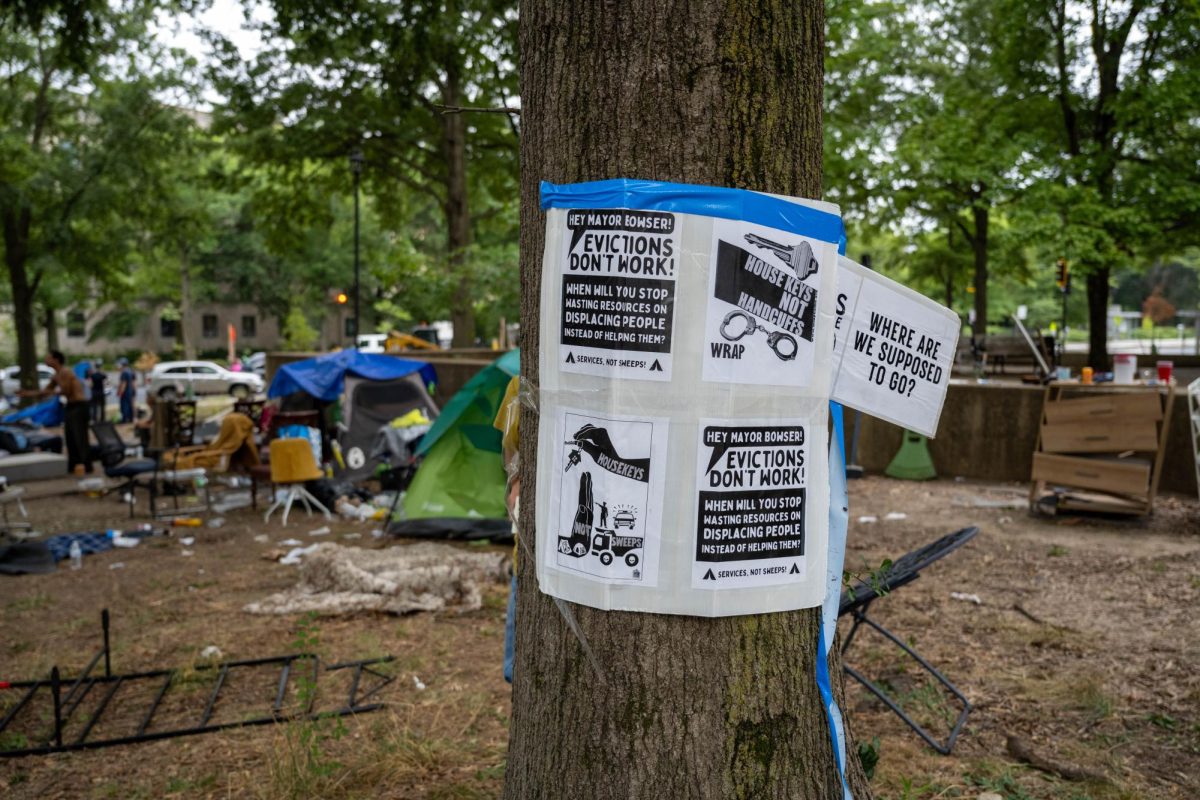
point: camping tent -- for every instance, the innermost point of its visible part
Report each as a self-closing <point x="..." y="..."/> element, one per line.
<point x="459" y="488"/>
<point x="374" y="390"/>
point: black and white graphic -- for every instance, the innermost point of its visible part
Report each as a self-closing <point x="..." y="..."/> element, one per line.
<point x="619" y="273"/>
<point x="751" y="504"/>
<point x="762" y="307"/>
<point x="609" y="499"/>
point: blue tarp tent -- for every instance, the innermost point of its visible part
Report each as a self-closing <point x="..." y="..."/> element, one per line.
<point x="374" y="389"/>
<point x="324" y="377"/>
<point x="47" y="413"/>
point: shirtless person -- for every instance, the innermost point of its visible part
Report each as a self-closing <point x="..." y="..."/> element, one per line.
<point x="75" y="417"/>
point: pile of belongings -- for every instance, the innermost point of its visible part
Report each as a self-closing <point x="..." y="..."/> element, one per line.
<point x="399" y="580"/>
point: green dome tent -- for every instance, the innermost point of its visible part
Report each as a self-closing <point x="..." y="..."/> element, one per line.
<point x="458" y="491"/>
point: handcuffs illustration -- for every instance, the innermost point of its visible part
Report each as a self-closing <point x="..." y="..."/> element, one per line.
<point x="786" y="352"/>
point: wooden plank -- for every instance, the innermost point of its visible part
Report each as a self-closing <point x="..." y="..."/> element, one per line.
<point x="1139" y="406"/>
<point x="1106" y="475"/>
<point x="1107" y="503"/>
<point x="1099" y="437"/>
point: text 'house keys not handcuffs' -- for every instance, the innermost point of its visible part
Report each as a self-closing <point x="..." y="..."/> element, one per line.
<point x="786" y="352"/>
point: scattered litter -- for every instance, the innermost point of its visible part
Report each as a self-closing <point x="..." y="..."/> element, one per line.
<point x="188" y="541"/>
<point x="967" y="598"/>
<point x="321" y="531"/>
<point x="262" y="538"/>
<point x="989" y="796"/>
<point x="216" y="522"/>
<point x="123" y="541"/>
<point x="291" y="543"/>
<point x="417" y="682"/>
<point x="296" y="554"/>
<point x="895" y="515"/>
<point x="211" y="652"/>
<point x="351" y="535"/>
<point x="186" y="553"/>
<point x="377" y="533"/>
<point x="117" y="565"/>
<point x="867" y="520"/>
<point x="399" y="580"/>
<point x="187" y="522"/>
<point x="1004" y="520"/>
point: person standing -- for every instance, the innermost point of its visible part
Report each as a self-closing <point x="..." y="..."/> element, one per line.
<point x="99" y="378"/>
<point x="75" y="416"/>
<point x="125" y="390"/>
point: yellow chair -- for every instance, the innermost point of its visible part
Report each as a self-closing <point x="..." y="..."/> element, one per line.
<point x="292" y="465"/>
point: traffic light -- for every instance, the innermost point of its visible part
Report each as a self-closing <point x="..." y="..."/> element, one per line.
<point x="1063" y="278"/>
<point x="338" y="296"/>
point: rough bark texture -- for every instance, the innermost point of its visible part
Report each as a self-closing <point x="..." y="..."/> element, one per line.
<point x="701" y="92"/>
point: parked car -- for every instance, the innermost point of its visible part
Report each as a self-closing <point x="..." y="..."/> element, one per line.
<point x="171" y="379"/>
<point x="12" y="378"/>
<point x="256" y="363"/>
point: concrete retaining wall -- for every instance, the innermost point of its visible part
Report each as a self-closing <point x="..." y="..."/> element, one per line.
<point x="989" y="431"/>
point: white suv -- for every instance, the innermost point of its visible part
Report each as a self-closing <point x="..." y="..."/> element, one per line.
<point x="171" y="379"/>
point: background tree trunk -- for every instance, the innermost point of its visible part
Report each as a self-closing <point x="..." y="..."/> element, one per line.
<point x="184" y="339"/>
<point x="979" y="244"/>
<point x="51" y="328"/>
<point x="1097" y="300"/>
<point x="16" y="253"/>
<point x="726" y="94"/>
<point x="458" y="213"/>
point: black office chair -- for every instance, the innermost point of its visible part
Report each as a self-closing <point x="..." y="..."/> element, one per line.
<point x="857" y="600"/>
<point x="112" y="457"/>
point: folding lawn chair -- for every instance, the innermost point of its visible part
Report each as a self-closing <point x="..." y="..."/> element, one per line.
<point x="856" y="601"/>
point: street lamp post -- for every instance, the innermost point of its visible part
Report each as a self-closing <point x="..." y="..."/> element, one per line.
<point x="356" y="165"/>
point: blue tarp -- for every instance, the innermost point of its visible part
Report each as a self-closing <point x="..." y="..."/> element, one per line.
<point x="47" y="413"/>
<point x="324" y="377"/>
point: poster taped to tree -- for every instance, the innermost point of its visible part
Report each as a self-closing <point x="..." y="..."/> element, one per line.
<point x="618" y="292"/>
<point x="751" y="483"/>
<point x="685" y="362"/>
<point x="609" y="496"/>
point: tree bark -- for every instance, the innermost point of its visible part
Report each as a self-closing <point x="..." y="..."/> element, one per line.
<point x="184" y="332"/>
<point x="16" y="255"/>
<point x="51" y="329"/>
<point x="979" y="244"/>
<point x="458" y="213"/>
<point x="715" y="93"/>
<point x="1097" y="298"/>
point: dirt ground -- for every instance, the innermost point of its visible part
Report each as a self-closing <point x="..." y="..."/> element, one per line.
<point x="1083" y="647"/>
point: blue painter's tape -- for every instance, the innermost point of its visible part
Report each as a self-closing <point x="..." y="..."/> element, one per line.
<point x="839" y="512"/>
<point x="708" y="201"/>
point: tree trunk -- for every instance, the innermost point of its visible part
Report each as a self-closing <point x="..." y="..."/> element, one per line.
<point x="1097" y="300"/>
<point x="16" y="254"/>
<point x="51" y="329"/>
<point x="458" y="214"/>
<point x="979" y="244"/>
<point x="726" y="94"/>
<point x="184" y="332"/>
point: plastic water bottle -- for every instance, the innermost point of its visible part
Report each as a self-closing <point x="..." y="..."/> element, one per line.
<point x="76" y="555"/>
